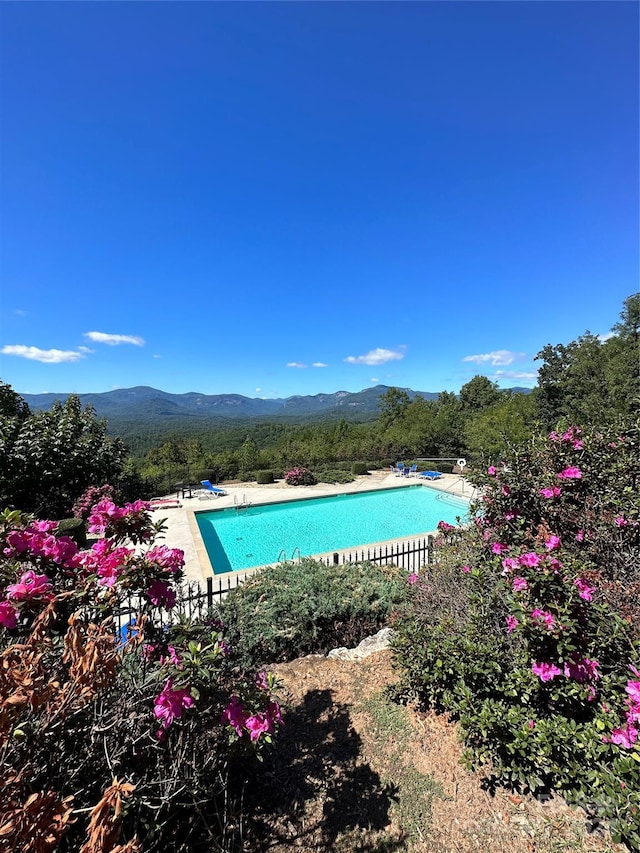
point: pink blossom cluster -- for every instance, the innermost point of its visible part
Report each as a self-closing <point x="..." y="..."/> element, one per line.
<point x="582" y="670"/>
<point x="627" y="735"/>
<point x="445" y="527"/>
<point x="241" y="721"/>
<point x="38" y="540"/>
<point x="169" y="705"/>
<point x="571" y="436"/>
<point x="130" y="519"/>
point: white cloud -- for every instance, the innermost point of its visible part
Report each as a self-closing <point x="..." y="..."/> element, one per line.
<point x="258" y="390"/>
<point x="157" y="356"/>
<point x="496" y="358"/>
<point x="374" y="379"/>
<point x="375" y="356"/>
<point x="46" y="356"/>
<point x="515" y="374"/>
<point x="85" y="349"/>
<point x="319" y="364"/>
<point x="608" y="336"/>
<point x="114" y="340"/>
<point x="296" y="364"/>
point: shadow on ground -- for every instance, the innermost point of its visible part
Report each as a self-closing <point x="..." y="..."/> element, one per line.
<point x="315" y="791"/>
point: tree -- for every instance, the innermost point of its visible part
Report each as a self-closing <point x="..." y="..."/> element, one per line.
<point x="491" y="433"/>
<point x="52" y="457"/>
<point x="479" y="393"/>
<point x="393" y="404"/>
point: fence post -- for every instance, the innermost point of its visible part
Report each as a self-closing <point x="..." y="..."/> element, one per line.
<point x="429" y="549"/>
<point x="209" y="593"/>
<point x="335" y="558"/>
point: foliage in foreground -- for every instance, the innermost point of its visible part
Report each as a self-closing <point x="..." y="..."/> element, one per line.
<point x="527" y="628"/>
<point x="299" y="608"/>
<point x="111" y="741"/>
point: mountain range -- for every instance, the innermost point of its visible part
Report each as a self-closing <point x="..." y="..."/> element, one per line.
<point x="143" y="403"/>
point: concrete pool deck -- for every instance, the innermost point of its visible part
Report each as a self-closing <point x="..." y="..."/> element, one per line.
<point x="182" y="528"/>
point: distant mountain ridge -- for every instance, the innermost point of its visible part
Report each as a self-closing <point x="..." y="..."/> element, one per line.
<point x="143" y="402"/>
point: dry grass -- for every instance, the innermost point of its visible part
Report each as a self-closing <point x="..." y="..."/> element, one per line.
<point x="353" y="772"/>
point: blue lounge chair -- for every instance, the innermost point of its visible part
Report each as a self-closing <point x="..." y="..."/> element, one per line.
<point x="213" y="489"/>
<point x="430" y="475"/>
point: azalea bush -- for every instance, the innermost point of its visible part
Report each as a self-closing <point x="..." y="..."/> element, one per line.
<point x="116" y="739"/>
<point x="526" y="629"/>
<point x="300" y="477"/>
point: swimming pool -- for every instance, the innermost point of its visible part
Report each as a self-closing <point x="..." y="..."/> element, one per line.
<point x="262" y="534"/>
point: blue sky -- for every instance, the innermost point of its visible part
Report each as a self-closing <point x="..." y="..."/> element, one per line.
<point x="293" y="198"/>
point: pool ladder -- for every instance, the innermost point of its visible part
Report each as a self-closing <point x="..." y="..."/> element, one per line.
<point x="241" y="504"/>
<point x="282" y="556"/>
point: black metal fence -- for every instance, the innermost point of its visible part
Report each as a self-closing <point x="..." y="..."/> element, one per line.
<point x="194" y="601"/>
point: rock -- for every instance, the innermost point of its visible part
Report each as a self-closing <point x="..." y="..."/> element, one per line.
<point x="368" y="646"/>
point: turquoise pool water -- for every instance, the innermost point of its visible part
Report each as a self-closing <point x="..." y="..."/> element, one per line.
<point x="243" y="538"/>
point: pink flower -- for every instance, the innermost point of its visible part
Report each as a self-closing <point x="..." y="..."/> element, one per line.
<point x="8" y="615"/>
<point x="512" y="624"/>
<point x="584" y="590"/>
<point x="626" y="736"/>
<point x="519" y="584"/>
<point x="620" y="521"/>
<point x="580" y="536"/>
<point x="553" y="436"/>
<point x="550" y="492"/>
<point x="509" y="564"/>
<point x="577" y="444"/>
<point x="235" y="715"/>
<point x="499" y="548"/>
<point x="633" y="689"/>
<point x="173" y="657"/>
<point x="444" y="526"/>
<point x="552" y="543"/>
<point x="30" y="586"/>
<point x="506" y="491"/>
<point x="492" y="470"/>
<point x="465" y="569"/>
<point x="261" y="680"/>
<point x="570" y="474"/>
<point x="161" y="594"/>
<point x="274" y="712"/>
<point x="257" y="725"/>
<point x="582" y="670"/>
<point x="413" y="578"/>
<point x="531" y="724"/>
<point x="169" y="705"/>
<point x="543" y="616"/>
<point x="171" y="559"/>
<point x="545" y="671"/>
<point x="530" y="559"/>
<point x="510" y="515"/>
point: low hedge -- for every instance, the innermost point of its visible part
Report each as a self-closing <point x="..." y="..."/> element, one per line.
<point x="295" y="609"/>
<point x="263" y="478"/>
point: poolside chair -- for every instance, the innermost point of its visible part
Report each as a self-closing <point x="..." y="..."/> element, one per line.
<point x="399" y="469"/>
<point x="412" y="472"/>
<point x="165" y="503"/>
<point x="430" y="475"/>
<point x="214" y="490"/>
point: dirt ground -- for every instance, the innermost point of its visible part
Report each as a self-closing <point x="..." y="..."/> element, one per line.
<point x="353" y="771"/>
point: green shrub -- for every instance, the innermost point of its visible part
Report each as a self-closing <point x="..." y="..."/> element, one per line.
<point x="75" y="528"/>
<point x="263" y="478"/>
<point x="526" y="629"/>
<point x="359" y="468"/>
<point x="295" y="609"/>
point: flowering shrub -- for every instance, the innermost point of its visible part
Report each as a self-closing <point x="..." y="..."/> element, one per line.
<point x="534" y="643"/>
<point x="300" y="477"/>
<point x="110" y="736"/>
